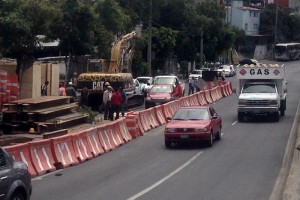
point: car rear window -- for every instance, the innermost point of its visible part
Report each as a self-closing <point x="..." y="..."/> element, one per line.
<point x="161" y="89"/>
<point x="164" y="80"/>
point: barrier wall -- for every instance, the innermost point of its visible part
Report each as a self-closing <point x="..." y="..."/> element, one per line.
<point x="81" y="147"/>
<point x="94" y="142"/>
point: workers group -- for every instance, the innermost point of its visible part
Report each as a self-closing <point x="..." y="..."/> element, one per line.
<point x="114" y="101"/>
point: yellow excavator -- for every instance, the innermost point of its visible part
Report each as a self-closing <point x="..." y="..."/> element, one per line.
<point x="117" y="74"/>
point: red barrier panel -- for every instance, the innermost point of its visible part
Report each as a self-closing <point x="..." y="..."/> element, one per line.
<point x="230" y="88"/>
<point x="194" y="100"/>
<point x="124" y="130"/>
<point x="106" y="138"/>
<point x="94" y="142"/>
<point x="81" y="147"/>
<point x="20" y="152"/>
<point x="160" y="115"/>
<point x="144" y="120"/>
<point x="41" y="156"/>
<point x="185" y="101"/>
<point x="132" y="125"/>
<point x="152" y="118"/>
<point x="201" y="98"/>
<point x="116" y="133"/>
<point x="63" y="151"/>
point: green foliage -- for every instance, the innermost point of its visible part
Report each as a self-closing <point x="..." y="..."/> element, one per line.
<point x="92" y="116"/>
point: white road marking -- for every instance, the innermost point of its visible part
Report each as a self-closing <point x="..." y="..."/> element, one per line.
<point x="165" y="178"/>
<point x="48" y="174"/>
<point x="234" y="123"/>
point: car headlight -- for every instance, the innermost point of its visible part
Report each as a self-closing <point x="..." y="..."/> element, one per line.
<point x="242" y="101"/>
<point x="170" y="130"/>
<point x="201" y="129"/>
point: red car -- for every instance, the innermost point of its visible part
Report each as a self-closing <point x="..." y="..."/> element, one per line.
<point x="200" y="123"/>
<point x="159" y="94"/>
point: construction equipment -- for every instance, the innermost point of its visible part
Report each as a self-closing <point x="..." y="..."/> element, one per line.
<point x="117" y="75"/>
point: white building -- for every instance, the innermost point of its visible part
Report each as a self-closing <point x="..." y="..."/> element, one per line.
<point x="243" y="17"/>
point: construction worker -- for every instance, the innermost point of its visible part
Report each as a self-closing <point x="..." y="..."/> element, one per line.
<point x="178" y="91"/>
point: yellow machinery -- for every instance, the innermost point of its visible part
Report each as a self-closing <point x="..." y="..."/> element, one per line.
<point x="117" y="75"/>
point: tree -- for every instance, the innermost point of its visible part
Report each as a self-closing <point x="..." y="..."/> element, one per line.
<point x="20" y="23"/>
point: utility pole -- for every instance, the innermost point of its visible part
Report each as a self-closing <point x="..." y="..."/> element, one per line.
<point x="201" y="48"/>
<point x="149" y="52"/>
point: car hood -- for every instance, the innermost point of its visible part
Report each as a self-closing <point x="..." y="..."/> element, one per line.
<point x="159" y="95"/>
<point x="188" y="124"/>
<point x="266" y="96"/>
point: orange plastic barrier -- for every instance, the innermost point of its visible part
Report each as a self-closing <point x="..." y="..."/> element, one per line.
<point x="124" y="130"/>
<point x="160" y="115"/>
<point x="208" y="96"/>
<point x="230" y="88"/>
<point x="185" y="101"/>
<point x="41" y="156"/>
<point x="144" y="120"/>
<point x="63" y="151"/>
<point x="132" y="125"/>
<point x="106" y="138"/>
<point x="214" y="94"/>
<point x="152" y="118"/>
<point x="194" y="99"/>
<point x="94" y="142"/>
<point x="81" y="147"/>
<point x="167" y="110"/>
<point x="116" y="132"/>
<point x="20" y="152"/>
<point x="201" y="98"/>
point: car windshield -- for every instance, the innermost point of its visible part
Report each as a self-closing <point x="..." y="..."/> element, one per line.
<point x="144" y="80"/>
<point x="259" y="88"/>
<point x="164" y="80"/>
<point x="191" y="114"/>
<point x="225" y="67"/>
<point x="161" y="89"/>
<point x="197" y="72"/>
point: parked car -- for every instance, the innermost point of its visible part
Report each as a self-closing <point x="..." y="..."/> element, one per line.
<point x="228" y="70"/>
<point x="138" y="87"/>
<point x="195" y="73"/>
<point x="146" y="83"/>
<point x="193" y="124"/>
<point x="159" y="94"/>
<point x="168" y="79"/>
<point x="15" y="180"/>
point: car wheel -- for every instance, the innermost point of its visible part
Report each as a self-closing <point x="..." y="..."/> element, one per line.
<point x="168" y="144"/>
<point x="219" y="134"/>
<point x="210" y="141"/>
<point x="17" y="196"/>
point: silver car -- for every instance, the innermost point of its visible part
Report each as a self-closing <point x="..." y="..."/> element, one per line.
<point x="15" y="180"/>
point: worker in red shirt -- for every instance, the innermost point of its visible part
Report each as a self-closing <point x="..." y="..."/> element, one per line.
<point x="178" y="91"/>
<point x="116" y="101"/>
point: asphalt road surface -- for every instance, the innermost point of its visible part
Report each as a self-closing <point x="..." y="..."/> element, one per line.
<point x="244" y="165"/>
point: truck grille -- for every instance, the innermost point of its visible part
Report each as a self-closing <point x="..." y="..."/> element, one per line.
<point x="258" y="102"/>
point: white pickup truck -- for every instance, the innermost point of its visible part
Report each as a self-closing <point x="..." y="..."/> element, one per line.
<point x="262" y="90"/>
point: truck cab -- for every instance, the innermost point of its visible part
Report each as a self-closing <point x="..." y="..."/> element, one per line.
<point x="262" y="91"/>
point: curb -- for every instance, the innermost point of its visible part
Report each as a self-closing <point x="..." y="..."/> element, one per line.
<point x="281" y="186"/>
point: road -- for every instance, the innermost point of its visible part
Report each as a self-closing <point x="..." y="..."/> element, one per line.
<point x="243" y="165"/>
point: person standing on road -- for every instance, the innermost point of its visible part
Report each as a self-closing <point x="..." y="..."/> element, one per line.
<point x="116" y="100"/>
<point x="62" y="90"/>
<point x="192" y="85"/>
<point x="123" y="102"/>
<point x="44" y="88"/>
<point x="70" y="91"/>
<point x="178" y="91"/>
<point x="107" y="102"/>
<point x="198" y="84"/>
<point x="84" y="96"/>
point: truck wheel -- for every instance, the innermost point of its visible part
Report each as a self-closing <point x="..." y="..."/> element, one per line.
<point x="282" y="112"/>
<point x="276" y="117"/>
<point x="240" y="117"/>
